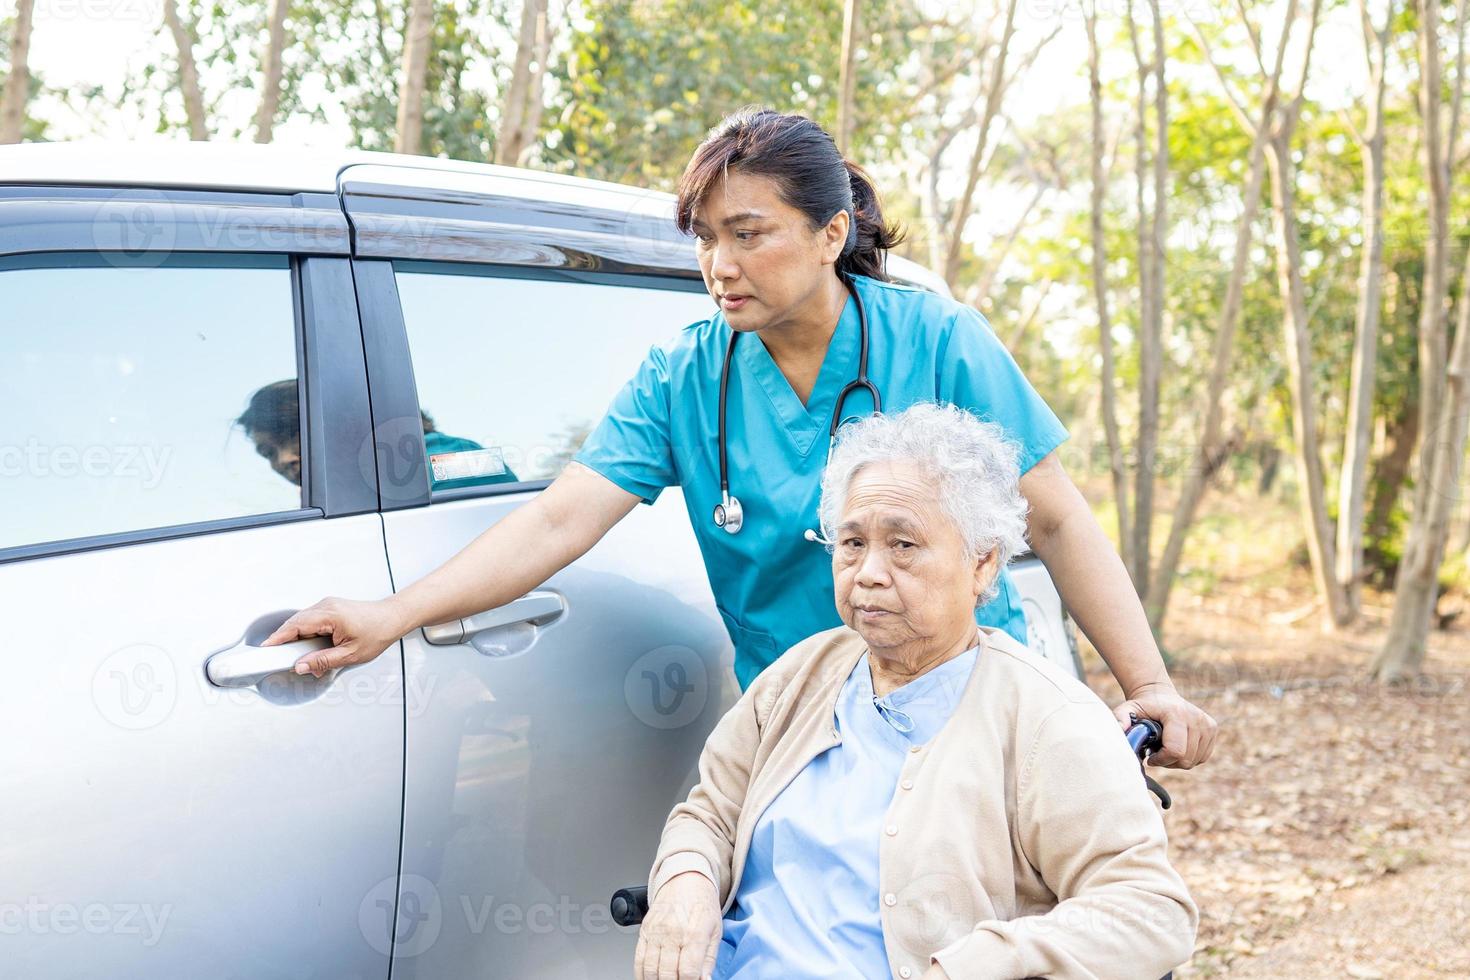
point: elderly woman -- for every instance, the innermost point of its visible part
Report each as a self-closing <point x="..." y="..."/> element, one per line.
<point x="910" y="794"/>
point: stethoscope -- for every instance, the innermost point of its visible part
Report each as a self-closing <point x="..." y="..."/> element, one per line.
<point x="728" y="512"/>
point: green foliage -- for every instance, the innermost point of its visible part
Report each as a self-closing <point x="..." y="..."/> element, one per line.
<point x="644" y="80"/>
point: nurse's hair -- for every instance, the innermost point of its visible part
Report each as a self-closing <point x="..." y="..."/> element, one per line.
<point x="811" y="175"/>
<point x="973" y="465"/>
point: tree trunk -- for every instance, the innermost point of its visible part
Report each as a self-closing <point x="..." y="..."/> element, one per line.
<point x="1417" y="586"/>
<point x="1214" y="450"/>
<point x="1298" y="342"/>
<point x="536" y="99"/>
<point x="1433" y="343"/>
<point x="188" y="73"/>
<point x="1392" y="469"/>
<point x="1138" y="567"/>
<point x="270" y="64"/>
<point x="1152" y="231"/>
<point x="994" y="91"/>
<point x="1100" y="290"/>
<point x="513" y="136"/>
<point x="1151" y="351"/>
<point x="1445" y="398"/>
<point x="1352" y="481"/>
<point x="847" y="77"/>
<point x="409" y="134"/>
<point x="18" y="82"/>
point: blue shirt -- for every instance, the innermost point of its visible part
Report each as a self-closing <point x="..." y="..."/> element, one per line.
<point x="773" y="588"/>
<point x="807" y="904"/>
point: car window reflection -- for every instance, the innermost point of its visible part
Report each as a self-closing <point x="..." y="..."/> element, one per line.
<point x="272" y="421"/>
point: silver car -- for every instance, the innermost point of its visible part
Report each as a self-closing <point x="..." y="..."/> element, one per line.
<point x="236" y="379"/>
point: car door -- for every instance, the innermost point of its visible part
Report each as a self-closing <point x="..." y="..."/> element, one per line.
<point x="179" y="438"/>
<point x="556" y="732"/>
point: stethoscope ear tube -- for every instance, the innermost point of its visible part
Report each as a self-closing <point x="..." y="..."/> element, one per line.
<point x="729" y="516"/>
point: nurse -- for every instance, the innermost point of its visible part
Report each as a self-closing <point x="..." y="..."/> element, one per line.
<point x="738" y="411"/>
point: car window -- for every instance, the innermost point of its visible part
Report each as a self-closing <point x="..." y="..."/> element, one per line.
<point x="513" y="373"/>
<point x="143" y="397"/>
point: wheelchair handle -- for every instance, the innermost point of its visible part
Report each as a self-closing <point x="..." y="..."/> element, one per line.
<point x="629" y="905"/>
<point x="1146" y="736"/>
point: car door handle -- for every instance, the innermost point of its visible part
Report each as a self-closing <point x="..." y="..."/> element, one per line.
<point x="245" y="665"/>
<point x="537" y="608"/>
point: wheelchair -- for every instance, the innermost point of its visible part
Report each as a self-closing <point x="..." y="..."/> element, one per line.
<point x="1145" y="736"/>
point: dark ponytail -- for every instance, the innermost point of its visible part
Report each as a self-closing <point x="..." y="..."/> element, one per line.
<point x="811" y="175"/>
<point x="869" y="238"/>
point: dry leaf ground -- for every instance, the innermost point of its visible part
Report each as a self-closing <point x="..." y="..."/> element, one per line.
<point x="1330" y="834"/>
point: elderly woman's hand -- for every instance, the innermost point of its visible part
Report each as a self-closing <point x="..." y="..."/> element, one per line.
<point x="680" y="935"/>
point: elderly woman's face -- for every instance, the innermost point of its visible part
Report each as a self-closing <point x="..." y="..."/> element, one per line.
<point x="902" y="579"/>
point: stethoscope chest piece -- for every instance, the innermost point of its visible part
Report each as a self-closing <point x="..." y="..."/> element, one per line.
<point x="729" y="515"/>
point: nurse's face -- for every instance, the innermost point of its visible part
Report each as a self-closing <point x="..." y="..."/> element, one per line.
<point x="762" y="261"/>
<point x="902" y="579"/>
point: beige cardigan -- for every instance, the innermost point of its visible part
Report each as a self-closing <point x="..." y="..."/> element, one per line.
<point x="1020" y="842"/>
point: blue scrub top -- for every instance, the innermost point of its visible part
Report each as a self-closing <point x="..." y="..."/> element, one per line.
<point x="773" y="588"/>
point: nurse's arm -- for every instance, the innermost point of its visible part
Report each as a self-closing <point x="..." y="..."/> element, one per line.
<point x="512" y="557"/>
<point x="1098" y="593"/>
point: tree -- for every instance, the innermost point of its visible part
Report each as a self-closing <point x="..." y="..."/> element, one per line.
<point x="1352" y="482"/>
<point x="1443" y="412"/>
<point x="18" y="80"/>
<point x="520" y="116"/>
<point x="1100" y="289"/>
<point x="409" y="130"/>
<point x="1214" y="446"/>
<point x="271" y="70"/>
<point x="188" y="72"/>
<point x="642" y="83"/>
<point x="847" y="80"/>
<point x="1298" y="343"/>
<point x="1152" y="233"/>
<point x="994" y="91"/>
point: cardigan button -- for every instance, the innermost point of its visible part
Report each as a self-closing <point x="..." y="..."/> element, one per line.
<point x="905" y="972"/>
<point x="907" y="784"/>
<point x="891" y="830"/>
<point x="915" y="748"/>
<point x="890" y="899"/>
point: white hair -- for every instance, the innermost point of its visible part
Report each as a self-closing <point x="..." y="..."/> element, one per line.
<point x="974" y="465"/>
